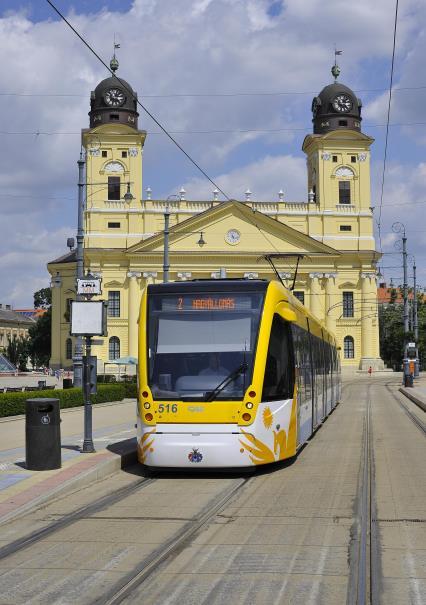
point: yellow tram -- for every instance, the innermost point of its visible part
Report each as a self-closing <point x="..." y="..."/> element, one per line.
<point x="232" y="373"/>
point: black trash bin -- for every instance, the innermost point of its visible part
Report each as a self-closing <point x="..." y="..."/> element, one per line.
<point x="42" y="434"/>
<point x="67" y="383"/>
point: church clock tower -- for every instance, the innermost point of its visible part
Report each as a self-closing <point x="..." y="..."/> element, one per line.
<point x="113" y="145"/>
<point x="340" y="215"/>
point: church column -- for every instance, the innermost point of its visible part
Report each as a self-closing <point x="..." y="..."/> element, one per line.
<point x="315" y="307"/>
<point x="368" y="306"/>
<point x="330" y="312"/>
<point x="133" y="304"/>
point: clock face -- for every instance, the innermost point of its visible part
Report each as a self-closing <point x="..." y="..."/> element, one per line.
<point x="114" y="97"/>
<point x="342" y="103"/>
<point x="233" y="236"/>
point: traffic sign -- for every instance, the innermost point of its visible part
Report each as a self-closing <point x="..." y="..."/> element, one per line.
<point x="90" y="286"/>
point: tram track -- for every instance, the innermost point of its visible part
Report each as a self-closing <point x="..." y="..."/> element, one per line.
<point x="170" y="548"/>
<point x="364" y="555"/>
<point x="81" y="513"/>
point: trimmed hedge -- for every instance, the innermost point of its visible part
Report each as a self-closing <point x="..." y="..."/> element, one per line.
<point x="12" y="404"/>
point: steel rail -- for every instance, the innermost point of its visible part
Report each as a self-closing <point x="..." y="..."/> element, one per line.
<point x="81" y="513"/>
<point x="171" y="548"/>
<point x="364" y="557"/>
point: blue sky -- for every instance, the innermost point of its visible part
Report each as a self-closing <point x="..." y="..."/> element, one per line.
<point x="258" y="64"/>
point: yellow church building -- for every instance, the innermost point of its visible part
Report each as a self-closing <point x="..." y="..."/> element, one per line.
<point x="123" y="243"/>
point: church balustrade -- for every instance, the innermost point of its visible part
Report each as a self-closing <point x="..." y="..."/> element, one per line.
<point x="345" y="208"/>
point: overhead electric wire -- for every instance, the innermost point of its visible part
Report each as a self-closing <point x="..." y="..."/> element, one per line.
<point x="379" y="222"/>
<point x="203" y="132"/>
<point x="213" y="94"/>
<point x="124" y="85"/>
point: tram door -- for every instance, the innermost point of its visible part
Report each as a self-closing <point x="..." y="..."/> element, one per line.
<point x="316" y="378"/>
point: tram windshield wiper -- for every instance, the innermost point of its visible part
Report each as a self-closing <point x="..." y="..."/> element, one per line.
<point x="211" y="395"/>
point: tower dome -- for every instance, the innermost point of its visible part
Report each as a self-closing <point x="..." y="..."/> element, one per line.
<point x="113" y="101"/>
<point x="336" y="107"/>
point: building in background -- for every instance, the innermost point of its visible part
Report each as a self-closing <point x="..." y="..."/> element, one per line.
<point x="12" y="324"/>
<point x="332" y="228"/>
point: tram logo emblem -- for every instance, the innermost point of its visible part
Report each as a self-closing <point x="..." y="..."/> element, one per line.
<point x="195" y="455"/>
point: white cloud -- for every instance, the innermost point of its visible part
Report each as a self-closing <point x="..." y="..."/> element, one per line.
<point x="264" y="178"/>
<point x="176" y="48"/>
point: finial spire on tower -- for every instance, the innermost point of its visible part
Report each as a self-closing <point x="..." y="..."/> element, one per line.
<point x="335" y="70"/>
<point x="114" y="62"/>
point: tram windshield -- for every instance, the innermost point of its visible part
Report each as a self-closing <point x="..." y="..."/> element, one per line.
<point x="201" y="345"/>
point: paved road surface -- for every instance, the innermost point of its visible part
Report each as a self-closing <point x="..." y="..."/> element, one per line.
<point x="344" y="520"/>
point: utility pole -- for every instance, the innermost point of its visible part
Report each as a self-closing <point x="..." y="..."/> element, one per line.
<point x="405" y="284"/>
<point x="166" y="265"/>
<point x="416" y="321"/>
<point x="78" y="352"/>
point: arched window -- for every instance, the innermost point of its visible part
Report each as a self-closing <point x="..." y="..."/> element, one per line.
<point x="114" y="347"/>
<point x="68" y="349"/>
<point x="348" y="347"/>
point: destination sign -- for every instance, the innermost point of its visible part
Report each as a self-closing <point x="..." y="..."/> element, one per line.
<point x="207" y="303"/>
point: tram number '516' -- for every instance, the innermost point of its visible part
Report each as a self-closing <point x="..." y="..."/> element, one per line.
<point x="167" y="407"/>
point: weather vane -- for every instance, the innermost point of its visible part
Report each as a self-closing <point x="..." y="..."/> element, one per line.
<point x="335" y="70"/>
<point x="114" y="62"/>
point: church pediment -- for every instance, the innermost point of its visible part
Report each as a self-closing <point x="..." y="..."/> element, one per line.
<point x="233" y="227"/>
<point x="113" y="284"/>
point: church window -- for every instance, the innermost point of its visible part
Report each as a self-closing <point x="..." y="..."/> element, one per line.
<point x="114" y="225"/>
<point x="114" y="347"/>
<point x="334" y="158"/>
<point x="353" y="159"/>
<point x="300" y="295"/>
<point x="67" y="313"/>
<point x="68" y="348"/>
<point x="348" y="304"/>
<point x="348" y="347"/>
<point x="113" y="187"/>
<point x="343" y="122"/>
<point x="344" y="192"/>
<point x="124" y="154"/>
<point x="345" y="228"/>
<point x="104" y="153"/>
<point x="114" y="116"/>
<point x="114" y="303"/>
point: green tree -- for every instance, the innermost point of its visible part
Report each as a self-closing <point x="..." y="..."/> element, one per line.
<point x="18" y="351"/>
<point x="40" y="340"/>
<point x="39" y="347"/>
<point x="43" y="298"/>
<point x="392" y="337"/>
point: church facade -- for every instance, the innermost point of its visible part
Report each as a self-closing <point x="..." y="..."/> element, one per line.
<point x="332" y="229"/>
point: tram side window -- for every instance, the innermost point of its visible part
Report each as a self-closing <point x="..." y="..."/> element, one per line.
<point x="279" y="372"/>
<point x="303" y="362"/>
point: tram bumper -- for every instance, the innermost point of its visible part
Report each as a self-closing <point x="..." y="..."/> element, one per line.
<point x="196" y="449"/>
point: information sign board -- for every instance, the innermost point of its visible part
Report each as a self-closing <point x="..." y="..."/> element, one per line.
<point x="88" y="318"/>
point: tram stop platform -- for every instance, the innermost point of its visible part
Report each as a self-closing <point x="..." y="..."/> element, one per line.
<point x="115" y="444"/>
<point x="417" y="393"/>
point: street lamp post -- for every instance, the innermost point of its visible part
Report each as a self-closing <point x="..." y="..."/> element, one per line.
<point x="400" y="228"/>
<point x="78" y="352"/>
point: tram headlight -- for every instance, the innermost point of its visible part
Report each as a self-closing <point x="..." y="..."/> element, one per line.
<point x="246" y="417"/>
<point x="148" y="417"/>
<point x="249" y="405"/>
<point x="146" y="405"/>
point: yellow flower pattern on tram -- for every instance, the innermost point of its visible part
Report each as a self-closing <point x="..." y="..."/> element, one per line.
<point x="145" y="445"/>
